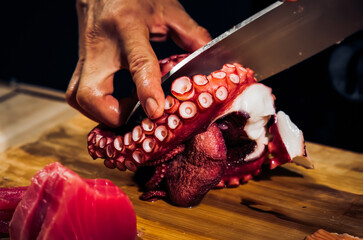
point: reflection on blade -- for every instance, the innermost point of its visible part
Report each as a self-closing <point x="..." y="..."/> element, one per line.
<point x="273" y="40"/>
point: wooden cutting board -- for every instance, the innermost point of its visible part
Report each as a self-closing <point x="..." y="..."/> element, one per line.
<point x="289" y="202"/>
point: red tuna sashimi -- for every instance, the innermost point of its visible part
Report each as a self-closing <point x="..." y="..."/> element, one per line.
<point x="9" y="199"/>
<point x="59" y="204"/>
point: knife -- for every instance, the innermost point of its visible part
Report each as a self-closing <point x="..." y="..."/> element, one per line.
<point x="274" y="39"/>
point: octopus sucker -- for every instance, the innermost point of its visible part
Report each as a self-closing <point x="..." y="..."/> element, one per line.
<point x="217" y="131"/>
<point x="219" y="77"/>
<point x="148" y="144"/>
<point x="138" y="134"/>
<point x="200" y="81"/>
<point x="171" y="105"/>
<point x="187" y="110"/>
<point x="173" y="121"/>
<point x="109" y="163"/>
<point x="120" y="163"/>
<point x="205" y="100"/>
<point x="118" y="143"/>
<point x="161" y="133"/>
<point x="233" y="78"/>
<point x="148" y="126"/>
<point x="229" y="68"/>
<point x="221" y="94"/>
<point x="129" y="143"/>
<point x="182" y="88"/>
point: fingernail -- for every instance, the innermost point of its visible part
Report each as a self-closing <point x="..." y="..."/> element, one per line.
<point x="151" y="106"/>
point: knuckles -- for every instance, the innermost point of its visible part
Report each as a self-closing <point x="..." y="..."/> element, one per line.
<point x="137" y="63"/>
<point x="204" y="32"/>
<point x="142" y="66"/>
<point x="85" y="97"/>
<point x="70" y="97"/>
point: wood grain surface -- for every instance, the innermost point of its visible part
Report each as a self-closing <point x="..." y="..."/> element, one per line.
<point x="26" y="111"/>
<point x="289" y="202"/>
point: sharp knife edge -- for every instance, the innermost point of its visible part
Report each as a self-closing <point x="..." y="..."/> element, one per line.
<point x="208" y="45"/>
<point x="288" y="33"/>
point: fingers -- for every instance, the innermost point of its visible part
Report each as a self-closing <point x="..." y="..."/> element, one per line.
<point x="73" y="86"/>
<point x="144" y="68"/>
<point x="97" y="108"/>
<point x="111" y="42"/>
<point x="91" y="87"/>
<point x="186" y="32"/>
<point x="95" y="88"/>
<point x="94" y="94"/>
<point x="158" y="33"/>
<point x="71" y="94"/>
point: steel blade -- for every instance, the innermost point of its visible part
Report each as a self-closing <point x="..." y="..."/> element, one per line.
<point x="273" y="40"/>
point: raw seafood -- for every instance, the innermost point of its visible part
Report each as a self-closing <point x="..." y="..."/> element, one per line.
<point x="9" y="199"/>
<point x="59" y="204"/>
<point x="180" y="145"/>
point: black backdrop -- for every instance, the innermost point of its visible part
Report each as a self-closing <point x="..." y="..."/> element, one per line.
<point x="39" y="46"/>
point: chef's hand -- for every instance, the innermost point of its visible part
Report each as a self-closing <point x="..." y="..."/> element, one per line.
<point x="115" y="34"/>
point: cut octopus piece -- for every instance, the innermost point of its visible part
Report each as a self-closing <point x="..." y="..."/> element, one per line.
<point x="288" y="143"/>
<point x="228" y="106"/>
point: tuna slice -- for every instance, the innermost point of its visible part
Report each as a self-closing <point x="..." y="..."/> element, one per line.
<point x="59" y="204"/>
<point x="9" y="199"/>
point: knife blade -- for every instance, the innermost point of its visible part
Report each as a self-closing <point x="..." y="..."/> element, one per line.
<point x="272" y="40"/>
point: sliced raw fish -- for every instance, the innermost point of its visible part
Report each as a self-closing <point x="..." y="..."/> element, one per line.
<point x="9" y="199"/>
<point x="59" y="204"/>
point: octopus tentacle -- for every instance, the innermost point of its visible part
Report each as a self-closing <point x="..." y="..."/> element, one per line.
<point x="186" y="105"/>
<point x="233" y="99"/>
<point x="168" y="156"/>
<point x="157" y="177"/>
<point x="152" y="196"/>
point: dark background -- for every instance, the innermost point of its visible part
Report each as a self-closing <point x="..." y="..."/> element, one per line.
<point x="322" y="95"/>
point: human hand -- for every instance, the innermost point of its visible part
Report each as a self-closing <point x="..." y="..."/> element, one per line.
<point x="115" y="34"/>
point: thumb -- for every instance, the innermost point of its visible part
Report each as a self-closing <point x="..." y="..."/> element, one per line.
<point x="145" y="70"/>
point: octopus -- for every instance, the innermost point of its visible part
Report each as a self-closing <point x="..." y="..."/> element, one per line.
<point x="217" y="131"/>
